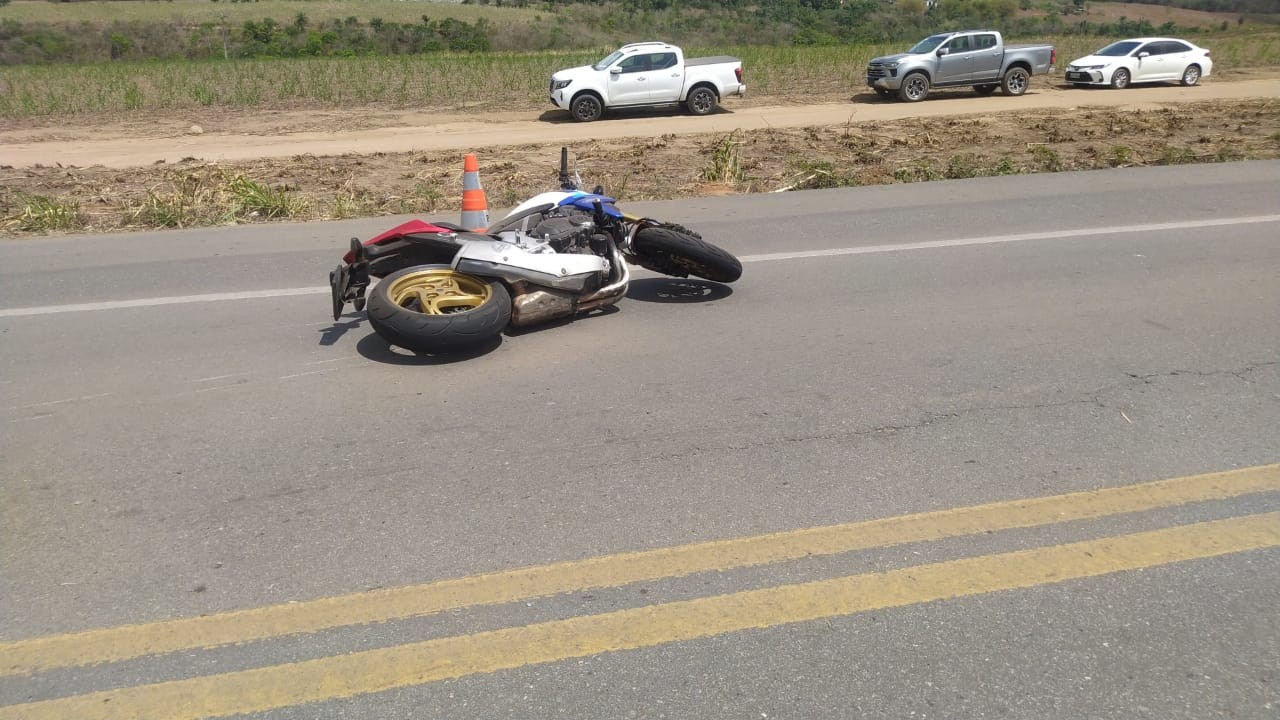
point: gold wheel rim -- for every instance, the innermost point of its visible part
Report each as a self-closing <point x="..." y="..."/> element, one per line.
<point x="438" y="291"/>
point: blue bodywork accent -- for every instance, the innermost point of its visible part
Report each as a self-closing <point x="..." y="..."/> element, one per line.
<point x="587" y="201"/>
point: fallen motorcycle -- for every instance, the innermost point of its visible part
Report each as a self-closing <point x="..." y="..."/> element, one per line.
<point x="444" y="288"/>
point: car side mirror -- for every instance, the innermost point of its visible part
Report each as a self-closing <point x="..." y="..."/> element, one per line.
<point x="943" y="51"/>
<point x="615" y="71"/>
<point x="1143" y="54"/>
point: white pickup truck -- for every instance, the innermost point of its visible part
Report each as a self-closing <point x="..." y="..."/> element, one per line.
<point x="643" y="75"/>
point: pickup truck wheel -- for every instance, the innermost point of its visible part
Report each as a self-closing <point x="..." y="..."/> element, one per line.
<point x="702" y="101"/>
<point x="915" y="87"/>
<point x="1120" y="79"/>
<point x="586" y="108"/>
<point x="984" y="89"/>
<point x="1015" y="81"/>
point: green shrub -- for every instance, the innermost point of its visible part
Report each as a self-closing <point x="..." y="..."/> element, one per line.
<point x="1047" y="158"/>
<point x="39" y="213"/>
<point x="254" y="200"/>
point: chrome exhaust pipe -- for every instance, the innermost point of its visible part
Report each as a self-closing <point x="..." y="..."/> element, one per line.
<point x="532" y="304"/>
<point x="613" y="292"/>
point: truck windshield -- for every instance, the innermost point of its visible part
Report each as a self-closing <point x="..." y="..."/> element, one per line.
<point x="1118" y="49"/>
<point x="613" y="56"/>
<point x="928" y="44"/>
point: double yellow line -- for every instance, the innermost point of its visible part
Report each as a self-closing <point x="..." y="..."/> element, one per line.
<point x="422" y="662"/>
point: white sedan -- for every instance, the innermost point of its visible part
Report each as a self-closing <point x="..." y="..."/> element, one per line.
<point x="1141" y="60"/>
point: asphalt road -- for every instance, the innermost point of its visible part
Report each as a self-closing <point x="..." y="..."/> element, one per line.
<point x="215" y="500"/>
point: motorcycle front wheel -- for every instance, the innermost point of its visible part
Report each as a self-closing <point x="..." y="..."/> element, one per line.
<point x="673" y="250"/>
<point x="434" y="308"/>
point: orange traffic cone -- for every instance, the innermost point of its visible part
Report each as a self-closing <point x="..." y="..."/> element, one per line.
<point x="475" y="209"/>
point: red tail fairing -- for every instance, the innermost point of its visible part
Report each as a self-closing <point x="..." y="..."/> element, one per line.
<point x="399" y="231"/>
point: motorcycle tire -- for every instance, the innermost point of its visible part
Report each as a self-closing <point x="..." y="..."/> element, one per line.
<point x="679" y="252"/>
<point x="434" y="308"/>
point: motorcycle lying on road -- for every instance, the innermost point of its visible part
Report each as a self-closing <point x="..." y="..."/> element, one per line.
<point x="444" y="288"/>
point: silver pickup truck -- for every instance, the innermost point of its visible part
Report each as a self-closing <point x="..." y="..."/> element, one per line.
<point x="976" y="58"/>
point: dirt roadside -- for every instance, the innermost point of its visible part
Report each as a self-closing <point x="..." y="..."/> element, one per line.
<point x="161" y="171"/>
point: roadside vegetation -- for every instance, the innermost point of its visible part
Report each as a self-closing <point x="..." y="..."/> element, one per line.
<point x="195" y="193"/>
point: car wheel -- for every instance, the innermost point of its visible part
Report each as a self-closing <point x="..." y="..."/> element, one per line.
<point x="1120" y="79"/>
<point x="586" y="108"/>
<point x="915" y="87"/>
<point x="1016" y="81"/>
<point x="1191" y="75"/>
<point x="702" y="101"/>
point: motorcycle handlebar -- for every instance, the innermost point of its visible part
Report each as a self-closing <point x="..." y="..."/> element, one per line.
<point x="566" y="182"/>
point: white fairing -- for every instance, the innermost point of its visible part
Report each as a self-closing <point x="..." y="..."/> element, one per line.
<point x="520" y="257"/>
<point x="552" y="198"/>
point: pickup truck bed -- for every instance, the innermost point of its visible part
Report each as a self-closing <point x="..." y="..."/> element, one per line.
<point x="692" y="62"/>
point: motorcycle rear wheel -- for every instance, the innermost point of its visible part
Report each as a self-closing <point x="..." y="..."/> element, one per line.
<point x="673" y="250"/>
<point x="434" y="308"/>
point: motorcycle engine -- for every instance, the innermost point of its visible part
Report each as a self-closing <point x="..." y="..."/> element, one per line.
<point x="569" y="231"/>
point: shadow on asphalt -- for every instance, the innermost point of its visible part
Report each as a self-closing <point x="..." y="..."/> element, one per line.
<point x="675" y="290"/>
<point x="373" y="347"/>
<point x="656" y="290"/>
<point x="605" y="311"/>
<point x="330" y="335"/>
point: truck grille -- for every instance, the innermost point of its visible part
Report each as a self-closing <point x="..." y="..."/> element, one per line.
<point x="877" y="70"/>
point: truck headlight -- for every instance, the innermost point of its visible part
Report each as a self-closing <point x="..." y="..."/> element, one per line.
<point x="890" y="66"/>
<point x="560" y="84"/>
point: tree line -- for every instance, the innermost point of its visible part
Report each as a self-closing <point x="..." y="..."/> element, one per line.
<point x="567" y="25"/>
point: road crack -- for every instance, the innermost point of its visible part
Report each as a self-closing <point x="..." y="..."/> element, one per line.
<point x="1095" y="398"/>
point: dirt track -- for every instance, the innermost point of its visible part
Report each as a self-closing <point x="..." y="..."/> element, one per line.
<point x="233" y="137"/>
<point x="157" y="172"/>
